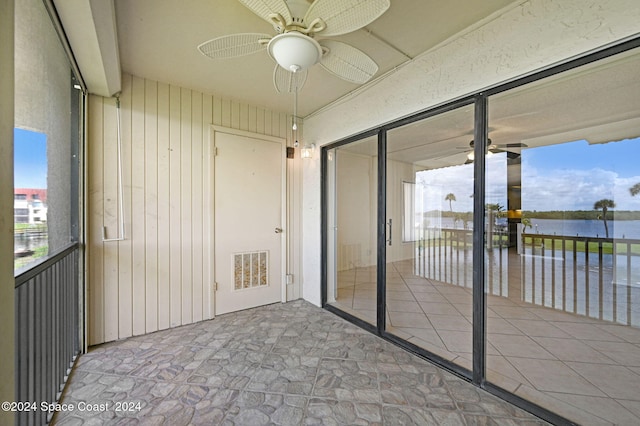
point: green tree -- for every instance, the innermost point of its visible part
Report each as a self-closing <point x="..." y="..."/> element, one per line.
<point x="526" y="222"/>
<point x="604" y="205"/>
<point x="450" y="197"/>
<point x="635" y="189"/>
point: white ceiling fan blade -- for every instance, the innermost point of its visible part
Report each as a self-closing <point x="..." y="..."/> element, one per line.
<point x="347" y="62"/>
<point x="266" y="8"/>
<point x="512" y="145"/>
<point x="344" y="16"/>
<point x="234" y="45"/>
<point x="288" y="82"/>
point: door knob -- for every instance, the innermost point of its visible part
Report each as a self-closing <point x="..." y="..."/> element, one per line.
<point x="278" y="230"/>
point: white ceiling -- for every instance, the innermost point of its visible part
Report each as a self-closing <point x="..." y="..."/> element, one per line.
<point x="597" y="102"/>
<point x="158" y="38"/>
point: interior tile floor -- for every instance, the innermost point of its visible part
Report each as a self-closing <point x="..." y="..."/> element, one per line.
<point x="585" y="369"/>
<point x="282" y="364"/>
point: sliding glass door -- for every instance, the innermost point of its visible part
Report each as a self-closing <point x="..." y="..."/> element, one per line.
<point x="429" y="211"/>
<point x="499" y="236"/>
<point x="563" y="268"/>
<point x="352" y="220"/>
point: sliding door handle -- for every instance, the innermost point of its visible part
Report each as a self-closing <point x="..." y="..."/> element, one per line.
<point x="390" y="224"/>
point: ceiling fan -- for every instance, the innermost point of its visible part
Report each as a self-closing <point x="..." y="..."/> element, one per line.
<point x="295" y="49"/>
<point x="494" y="149"/>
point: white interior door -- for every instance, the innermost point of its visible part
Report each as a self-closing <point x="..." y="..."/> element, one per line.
<point x="248" y="219"/>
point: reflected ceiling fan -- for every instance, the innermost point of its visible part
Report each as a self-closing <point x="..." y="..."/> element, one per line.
<point x="494" y="149"/>
<point x="295" y="49"/>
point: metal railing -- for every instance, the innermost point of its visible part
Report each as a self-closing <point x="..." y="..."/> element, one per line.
<point x="446" y="255"/>
<point x="590" y="276"/>
<point x="47" y="330"/>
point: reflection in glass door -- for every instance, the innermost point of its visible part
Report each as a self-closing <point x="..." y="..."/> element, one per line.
<point x="351" y="186"/>
<point x="429" y="209"/>
<point x="564" y="326"/>
<point x="546" y="241"/>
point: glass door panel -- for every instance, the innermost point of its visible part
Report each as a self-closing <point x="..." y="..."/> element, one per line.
<point x="563" y="242"/>
<point x="351" y="226"/>
<point x="429" y="211"/>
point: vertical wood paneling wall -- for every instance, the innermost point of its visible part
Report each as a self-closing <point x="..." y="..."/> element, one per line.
<point x="159" y="275"/>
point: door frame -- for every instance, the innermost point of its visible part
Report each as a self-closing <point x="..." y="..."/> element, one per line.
<point x="284" y="241"/>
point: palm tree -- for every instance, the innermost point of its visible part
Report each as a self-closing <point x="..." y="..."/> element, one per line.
<point x="604" y="205"/>
<point x="494" y="209"/>
<point x="635" y="189"/>
<point x="450" y="197"/>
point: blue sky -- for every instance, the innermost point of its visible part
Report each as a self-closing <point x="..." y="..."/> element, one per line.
<point x="569" y="176"/>
<point x="573" y="176"/>
<point x="621" y="157"/>
<point x="30" y="159"/>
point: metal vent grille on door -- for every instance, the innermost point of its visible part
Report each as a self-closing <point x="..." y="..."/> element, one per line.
<point x="250" y="269"/>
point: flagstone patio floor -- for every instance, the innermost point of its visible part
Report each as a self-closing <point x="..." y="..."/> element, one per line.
<point x="281" y="364"/>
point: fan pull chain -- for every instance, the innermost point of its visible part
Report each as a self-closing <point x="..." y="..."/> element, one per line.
<point x="295" y="115"/>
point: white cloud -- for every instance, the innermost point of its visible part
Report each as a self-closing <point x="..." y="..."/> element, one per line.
<point x="560" y="189"/>
<point x="567" y="189"/>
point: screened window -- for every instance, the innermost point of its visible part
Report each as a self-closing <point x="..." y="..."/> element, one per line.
<point x="46" y="139"/>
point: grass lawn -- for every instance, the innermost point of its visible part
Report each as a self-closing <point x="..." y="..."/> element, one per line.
<point x="549" y="243"/>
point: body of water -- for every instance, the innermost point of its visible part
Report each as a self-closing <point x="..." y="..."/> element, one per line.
<point x="570" y="227"/>
<point x="586" y="228"/>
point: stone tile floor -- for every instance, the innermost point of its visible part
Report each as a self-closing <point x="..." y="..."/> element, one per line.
<point x="282" y="364"/>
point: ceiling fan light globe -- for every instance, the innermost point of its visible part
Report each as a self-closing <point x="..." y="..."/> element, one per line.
<point x="294" y="51"/>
